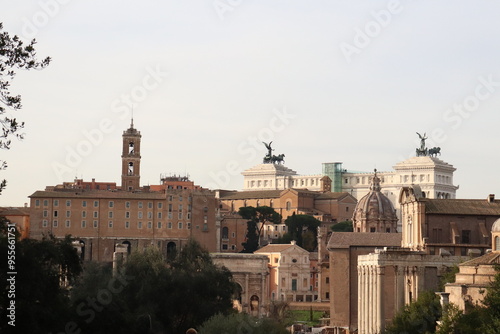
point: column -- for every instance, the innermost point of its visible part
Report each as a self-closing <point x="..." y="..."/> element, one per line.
<point x="380" y="298"/>
<point x="263" y="294"/>
<point x="399" y="287"/>
<point x="361" y="299"/>
<point x="366" y="317"/>
<point x="247" y="295"/>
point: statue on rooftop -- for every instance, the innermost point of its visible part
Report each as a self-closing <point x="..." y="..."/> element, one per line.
<point x="422" y="151"/>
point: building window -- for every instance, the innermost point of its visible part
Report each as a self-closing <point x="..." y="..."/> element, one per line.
<point x="150" y="215"/>
<point x="150" y="225"/>
<point x="327" y="280"/>
<point x="127" y="205"/>
<point x="55" y="213"/>
<point x="224" y="247"/>
<point x="159" y="215"/>
<point x="150" y="205"/>
<point x="96" y="204"/>
<point x="372" y="229"/>
<point x="139" y="225"/>
<point x="45" y="202"/>
<point x="233" y="247"/>
<point x="466" y="236"/>
<point x="139" y="205"/>
<point x="158" y="225"/>
<point x="180" y="215"/>
<point x="45" y="213"/>
<point x="68" y="223"/>
<point x="288" y="205"/>
<point x="170" y="198"/>
<point x="127" y="214"/>
<point x="169" y="215"/>
<point x="84" y="214"/>
<point x="233" y="235"/>
<point x="68" y="214"/>
<point x="180" y="198"/>
<point x="45" y="223"/>
<point x="169" y="225"/>
<point x="139" y="214"/>
<point x="56" y="202"/>
<point x="170" y="208"/>
<point x="68" y="202"/>
<point x="188" y="216"/>
<point x="84" y="223"/>
<point x="96" y="214"/>
<point x="327" y="295"/>
<point x="54" y="223"/>
<point x="127" y="224"/>
<point x="110" y="224"/>
<point x="188" y="226"/>
<point x="225" y="233"/>
<point x="160" y="205"/>
<point x="111" y="204"/>
<point x="179" y="225"/>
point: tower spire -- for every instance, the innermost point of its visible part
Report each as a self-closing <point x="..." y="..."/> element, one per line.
<point x="132" y="119"/>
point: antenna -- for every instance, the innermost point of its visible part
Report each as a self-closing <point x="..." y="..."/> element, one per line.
<point x="132" y="119"/>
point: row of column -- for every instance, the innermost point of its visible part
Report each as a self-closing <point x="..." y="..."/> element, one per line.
<point x="409" y="282"/>
<point x="371" y="299"/>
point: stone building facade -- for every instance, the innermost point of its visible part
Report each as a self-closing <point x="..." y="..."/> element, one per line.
<point x="251" y="272"/>
<point x="290" y="272"/>
<point x="474" y="276"/>
<point x="101" y="215"/>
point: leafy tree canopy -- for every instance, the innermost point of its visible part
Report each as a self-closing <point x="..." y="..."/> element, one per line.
<point x="345" y="226"/>
<point x="304" y="230"/>
<point x="256" y="215"/>
<point x="44" y="268"/>
<point x="241" y="323"/>
<point x="153" y="295"/>
<point x="14" y="55"/>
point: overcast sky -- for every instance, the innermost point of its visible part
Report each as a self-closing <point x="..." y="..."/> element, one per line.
<point x="348" y="81"/>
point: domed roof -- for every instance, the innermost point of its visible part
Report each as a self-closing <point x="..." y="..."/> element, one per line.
<point x="375" y="206"/>
<point x="496" y="226"/>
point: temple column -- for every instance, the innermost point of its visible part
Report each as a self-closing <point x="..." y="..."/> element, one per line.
<point x="380" y="299"/>
<point x="360" y="297"/>
<point x="366" y="317"/>
<point x="247" y="295"/>
<point x="263" y="294"/>
<point x="399" y="287"/>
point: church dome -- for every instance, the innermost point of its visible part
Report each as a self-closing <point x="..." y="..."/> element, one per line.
<point x="374" y="211"/>
<point x="496" y="226"/>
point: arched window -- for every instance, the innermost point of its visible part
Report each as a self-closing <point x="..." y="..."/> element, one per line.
<point x="497" y="244"/>
<point x="126" y="242"/>
<point x="171" y="249"/>
<point x="288" y="205"/>
<point x="131" y="148"/>
<point x="131" y="168"/>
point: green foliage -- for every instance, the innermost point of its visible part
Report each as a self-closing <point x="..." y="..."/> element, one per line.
<point x="14" y="55"/>
<point x="419" y="317"/>
<point x="454" y="321"/>
<point x="151" y="294"/>
<point x="304" y="230"/>
<point x="260" y="214"/>
<point x="448" y="277"/>
<point x="345" y="226"/>
<point x="240" y="323"/>
<point x="41" y="301"/>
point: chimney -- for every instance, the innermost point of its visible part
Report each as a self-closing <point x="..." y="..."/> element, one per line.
<point x="491" y="198"/>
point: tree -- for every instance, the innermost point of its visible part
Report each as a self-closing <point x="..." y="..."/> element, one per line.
<point x="152" y="294"/>
<point x="241" y="323"/>
<point x="262" y="215"/>
<point x="419" y="317"/>
<point x="345" y="226"/>
<point x="304" y="230"/>
<point x="44" y="269"/>
<point x="14" y="55"/>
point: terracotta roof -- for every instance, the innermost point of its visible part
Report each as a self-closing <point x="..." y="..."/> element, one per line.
<point x="487" y="259"/>
<point x="348" y="239"/>
<point x="78" y="193"/>
<point x="14" y="211"/>
<point x="252" y="194"/>
<point x="462" y="206"/>
<point x="332" y="195"/>
<point x="274" y="248"/>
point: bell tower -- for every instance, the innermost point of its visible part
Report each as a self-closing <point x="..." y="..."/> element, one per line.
<point x="131" y="158"/>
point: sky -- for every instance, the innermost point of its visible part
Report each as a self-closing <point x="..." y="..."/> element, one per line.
<point x="209" y="81"/>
